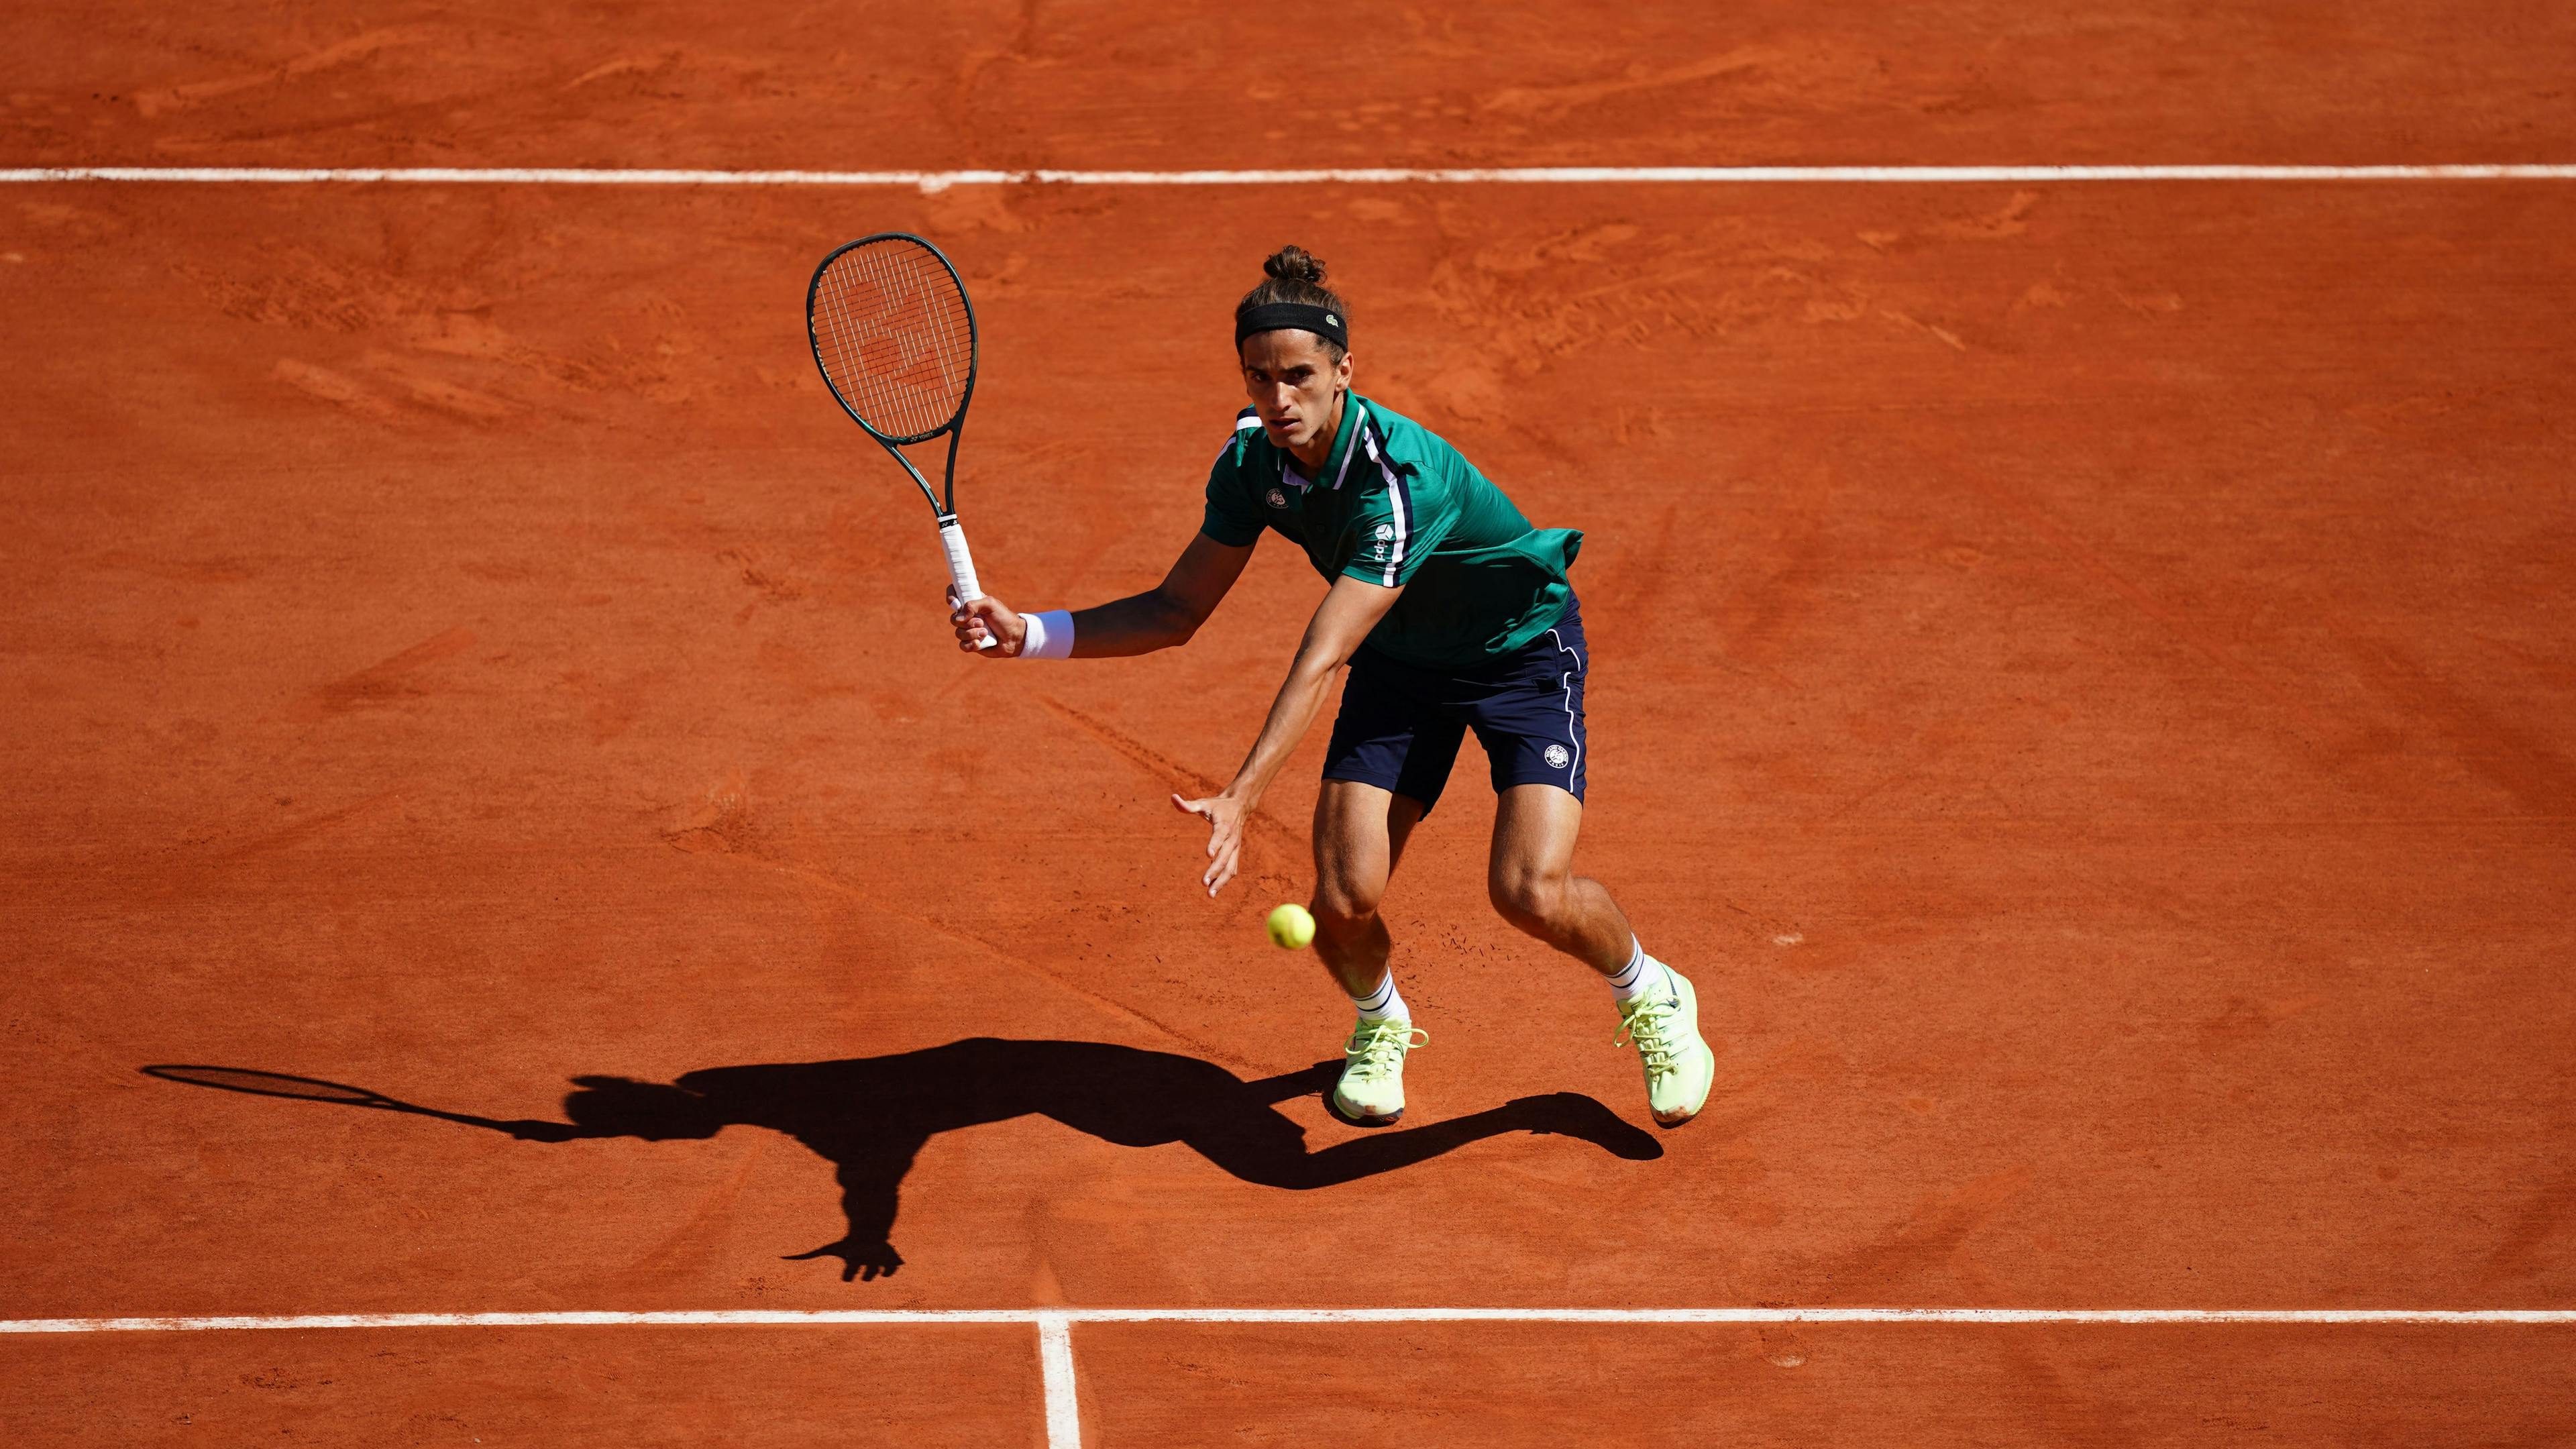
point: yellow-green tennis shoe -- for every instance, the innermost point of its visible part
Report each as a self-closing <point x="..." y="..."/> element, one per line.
<point x="1371" y="1092"/>
<point x="1679" y="1065"/>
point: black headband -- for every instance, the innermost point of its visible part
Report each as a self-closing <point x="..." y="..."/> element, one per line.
<point x="1272" y="316"/>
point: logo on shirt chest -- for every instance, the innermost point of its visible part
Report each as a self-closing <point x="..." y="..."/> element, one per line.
<point x="1278" y="498"/>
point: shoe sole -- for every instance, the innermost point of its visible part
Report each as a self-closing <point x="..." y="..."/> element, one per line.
<point x="1354" y="1120"/>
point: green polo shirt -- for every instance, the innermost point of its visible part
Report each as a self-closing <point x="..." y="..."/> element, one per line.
<point x="1397" y="505"/>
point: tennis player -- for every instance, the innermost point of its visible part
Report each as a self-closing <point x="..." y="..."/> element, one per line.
<point x="1452" y="613"/>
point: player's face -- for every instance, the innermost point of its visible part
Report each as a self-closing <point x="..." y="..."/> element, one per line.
<point x="1293" y="380"/>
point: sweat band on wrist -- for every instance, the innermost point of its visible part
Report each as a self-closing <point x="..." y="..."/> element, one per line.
<point x="1050" y="635"/>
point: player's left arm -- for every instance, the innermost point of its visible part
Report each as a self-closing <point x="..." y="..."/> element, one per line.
<point x="1351" y="608"/>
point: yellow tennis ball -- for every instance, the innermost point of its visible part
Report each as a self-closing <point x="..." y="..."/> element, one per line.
<point x="1291" y="929"/>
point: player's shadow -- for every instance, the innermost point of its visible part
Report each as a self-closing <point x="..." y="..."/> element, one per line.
<point x="870" y="1116"/>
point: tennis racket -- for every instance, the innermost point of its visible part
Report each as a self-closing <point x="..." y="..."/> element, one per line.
<point x="895" y="338"/>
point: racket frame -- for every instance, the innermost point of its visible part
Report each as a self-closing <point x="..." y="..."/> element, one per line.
<point x="943" y="503"/>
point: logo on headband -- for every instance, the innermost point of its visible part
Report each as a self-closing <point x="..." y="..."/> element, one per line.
<point x="1329" y="317"/>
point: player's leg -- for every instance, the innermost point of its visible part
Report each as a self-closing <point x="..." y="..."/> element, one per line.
<point x="1389" y="756"/>
<point x="1528" y="714"/>
<point x="1529" y="717"/>
<point x="1529" y="874"/>
<point x="1360" y="831"/>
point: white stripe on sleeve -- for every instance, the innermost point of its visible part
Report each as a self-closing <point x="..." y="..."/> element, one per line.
<point x="1395" y="500"/>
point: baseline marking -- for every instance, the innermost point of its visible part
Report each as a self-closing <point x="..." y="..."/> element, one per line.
<point x="1055" y="1320"/>
<point x="936" y="181"/>
<point x="1055" y="1338"/>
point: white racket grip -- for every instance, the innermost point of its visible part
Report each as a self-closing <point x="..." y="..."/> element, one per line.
<point x="961" y="570"/>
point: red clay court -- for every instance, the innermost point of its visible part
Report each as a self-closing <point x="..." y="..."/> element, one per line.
<point x="2085" y="680"/>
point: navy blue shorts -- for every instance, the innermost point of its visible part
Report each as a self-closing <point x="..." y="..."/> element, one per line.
<point x="1401" y="725"/>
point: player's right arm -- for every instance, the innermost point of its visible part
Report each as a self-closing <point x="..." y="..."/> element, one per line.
<point x="1159" y="618"/>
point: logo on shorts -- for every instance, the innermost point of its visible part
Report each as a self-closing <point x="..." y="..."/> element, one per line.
<point x="1278" y="498"/>
<point x="1556" y="757"/>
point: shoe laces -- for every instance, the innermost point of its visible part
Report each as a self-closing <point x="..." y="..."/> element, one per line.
<point x="1378" y="1047"/>
<point x="1649" y="1024"/>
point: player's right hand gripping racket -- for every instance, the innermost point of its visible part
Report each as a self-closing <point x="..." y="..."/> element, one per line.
<point x="895" y="337"/>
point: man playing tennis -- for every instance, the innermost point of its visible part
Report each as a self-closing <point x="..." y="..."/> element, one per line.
<point x="1452" y="613"/>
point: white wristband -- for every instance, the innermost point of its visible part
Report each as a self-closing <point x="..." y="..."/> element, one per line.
<point x="1050" y="635"/>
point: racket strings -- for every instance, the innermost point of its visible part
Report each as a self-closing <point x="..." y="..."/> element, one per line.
<point x="925" y="324"/>
<point x="894" y="337"/>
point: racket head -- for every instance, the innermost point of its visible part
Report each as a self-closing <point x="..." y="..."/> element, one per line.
<point x="894" y="336"/>
<point x="272" y="1084"/>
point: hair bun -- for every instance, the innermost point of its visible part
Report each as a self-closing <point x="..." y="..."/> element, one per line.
<point x="1294" y="264"/>
<point x="1294" y="277"/>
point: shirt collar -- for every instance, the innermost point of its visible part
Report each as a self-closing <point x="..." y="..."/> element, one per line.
<point x="1337" y="465"/>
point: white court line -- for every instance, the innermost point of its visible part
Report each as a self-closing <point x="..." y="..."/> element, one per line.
<point x="1055" y="1338"/>
<point x="1055" y="1372"/>
<point x="1055" y="1319"/>
<point x="933" y="181"/>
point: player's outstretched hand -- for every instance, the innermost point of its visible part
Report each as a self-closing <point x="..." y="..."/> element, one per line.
<point x="1225" y="841"/>
<point x="987" y="616"/>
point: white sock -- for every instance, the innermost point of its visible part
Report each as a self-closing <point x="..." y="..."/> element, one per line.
<point x="1384" y="1004"/>
<point x="1642" y="976"/>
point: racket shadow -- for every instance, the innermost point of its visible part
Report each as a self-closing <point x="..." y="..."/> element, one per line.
<point x="871" y="1116"/>
<point x="314" y="1089"/>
